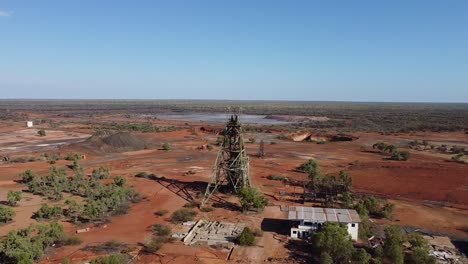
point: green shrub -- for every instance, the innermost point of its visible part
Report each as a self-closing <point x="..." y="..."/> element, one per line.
<point x="400" y="155"/>
<point x="207" y="209"/>
<point x="161" y="212"/>
<point x="28" y="245"/>
<point x="41" y="133"/>
<point x="277" y="178"/>
<point x="246" y="238"/>
<point x="152" y="246"/>
<point x="166" y="146"/>
<point x="160" y="230"/>
<point x="209" y="147"/>
<point x="183" y="215"/>
<point x="192" y="204"/>
<point x="458" y="158"/>
<point x="73" y="156"/>
<point x="6" y="214"/>
<point x="72" y="241"/>
<point x="13" y="197"/>
<point x="28" y="176"/>
<point x="361" y="256"/>
<point x="48" y="212"/>
<point x="142" y="175"/>
<point x="310" y="167"/>
<point x="112" y="259"/>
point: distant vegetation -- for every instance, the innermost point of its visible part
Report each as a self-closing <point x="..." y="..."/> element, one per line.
<point x="344" y="117"/>
<point x="133" y="127"/>
<point x="392" y="150"/>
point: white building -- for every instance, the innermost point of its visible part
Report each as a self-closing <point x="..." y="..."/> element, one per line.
<point x="29" y="124"/>
<point x="306" y="220"/>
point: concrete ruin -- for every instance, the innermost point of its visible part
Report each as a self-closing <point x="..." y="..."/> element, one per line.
<point x="213" y="233"/>
<point x="444" y="251"/>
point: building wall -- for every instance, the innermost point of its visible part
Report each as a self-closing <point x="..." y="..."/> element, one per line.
<point x="353" y="230"/>
<point x="303" y="231"/>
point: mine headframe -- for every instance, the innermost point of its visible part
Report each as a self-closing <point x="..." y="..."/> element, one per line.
<point x="231" y="169"/>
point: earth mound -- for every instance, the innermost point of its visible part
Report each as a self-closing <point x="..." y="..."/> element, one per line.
<point x="109" y="142"/>
<point x="123" y="140"/>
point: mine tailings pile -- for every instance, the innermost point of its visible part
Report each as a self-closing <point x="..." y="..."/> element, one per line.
<point x="114" y="142"/>
<point x="309" y="136"/>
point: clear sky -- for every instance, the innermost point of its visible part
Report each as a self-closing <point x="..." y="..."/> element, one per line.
<point x="273" y="50"/>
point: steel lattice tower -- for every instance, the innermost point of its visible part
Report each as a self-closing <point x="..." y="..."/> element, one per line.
<point x="232" y="163"/>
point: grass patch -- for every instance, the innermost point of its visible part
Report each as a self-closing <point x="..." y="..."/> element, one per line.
<point x="183" y="215"/>
<point x="277" y="178"/>
<point x="207" y="209"/>
<point x="161" y="212"/>
<point x="192" y="204"/>
<point x="160" y="230"/>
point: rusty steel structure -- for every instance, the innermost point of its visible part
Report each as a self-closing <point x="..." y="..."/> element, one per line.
<point x="231" y="170"/>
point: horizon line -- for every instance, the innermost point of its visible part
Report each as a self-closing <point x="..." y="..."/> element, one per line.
<point x="226" y="100"/>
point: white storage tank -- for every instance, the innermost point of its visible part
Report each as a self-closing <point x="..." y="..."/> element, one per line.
<point x="29" y="124"/>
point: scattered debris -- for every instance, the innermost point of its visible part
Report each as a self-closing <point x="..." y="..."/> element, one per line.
<point x="444" y="251"/>
<point x="84" y="230"/>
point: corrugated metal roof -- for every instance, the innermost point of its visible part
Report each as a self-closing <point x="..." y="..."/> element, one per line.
<point x="317" y="214"/>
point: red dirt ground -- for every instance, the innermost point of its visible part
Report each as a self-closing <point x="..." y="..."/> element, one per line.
<point x="429" y="192"/>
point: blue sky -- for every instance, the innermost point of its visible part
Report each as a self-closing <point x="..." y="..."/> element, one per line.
<point x="272" y="50"/>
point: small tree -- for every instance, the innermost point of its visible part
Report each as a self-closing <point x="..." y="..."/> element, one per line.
<point x="28" y="176"/>
<point x="48" y="212"/>
<point x="166" y="146"/>
<point x="325" y="258"/>
<point x="251" y="198"/>
<point x="362" y="257"/>
<point x="393" y="249"/>
<point x="41" y="133"/>
<point x="420" y="250"/>
<point x="75" y="210"/>
<point x="334" y="240"/>
<point x="401" y="155"/>
<point x="310" y="167"/>
<point x="14" y="197"/>
<point x="246" y="238"/>
<point x="6" y="214"/>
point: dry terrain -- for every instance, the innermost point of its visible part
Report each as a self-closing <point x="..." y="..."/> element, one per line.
<point x="430" y="191"/>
